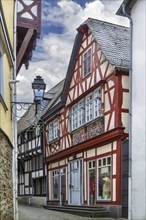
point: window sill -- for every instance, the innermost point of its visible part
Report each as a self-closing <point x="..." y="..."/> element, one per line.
<point x="87" y="124"/>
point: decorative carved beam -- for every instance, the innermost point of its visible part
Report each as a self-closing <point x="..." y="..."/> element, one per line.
<point x="24" y="46"/>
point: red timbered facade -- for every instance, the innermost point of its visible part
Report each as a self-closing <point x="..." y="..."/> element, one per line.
<point x="28" y="30"/>
<point x="86" y="128"/>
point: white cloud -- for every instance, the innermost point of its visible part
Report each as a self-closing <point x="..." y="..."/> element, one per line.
<point x="53" y="51"/>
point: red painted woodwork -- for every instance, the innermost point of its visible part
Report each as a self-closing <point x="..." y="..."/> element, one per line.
<point x="29" y="15"/>
<point x="98" y="141"/>
<point x="28" y="30"/>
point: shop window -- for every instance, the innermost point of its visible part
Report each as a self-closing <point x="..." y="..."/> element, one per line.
<point x="104" y="178"/>
<point x="55" y="184"/>
<point x="92" y="182"/>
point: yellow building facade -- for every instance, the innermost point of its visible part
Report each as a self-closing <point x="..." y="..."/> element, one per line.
<point x="7" y="14"/>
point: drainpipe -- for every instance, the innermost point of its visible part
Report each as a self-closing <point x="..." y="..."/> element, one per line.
<point x="130" y="115"/>
<point x="14" y="121"/>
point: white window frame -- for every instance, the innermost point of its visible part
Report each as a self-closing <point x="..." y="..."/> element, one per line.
<point x="97" y="103"/>
<point x="75" y="117"/>
<point x="53" y="130"/>
<point x="87" y="62"/>
<point x="89" y="107"/>
<point x="81" y="112"/>
<point x="104" y="166"/>
<point x="86" y="110"/>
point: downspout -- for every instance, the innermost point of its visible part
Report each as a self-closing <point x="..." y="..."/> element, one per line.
<point x="130" y="116"/>
<point x="14" y="120"/>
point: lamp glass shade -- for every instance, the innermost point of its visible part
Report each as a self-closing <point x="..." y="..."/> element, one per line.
<point x="38" y="87"/>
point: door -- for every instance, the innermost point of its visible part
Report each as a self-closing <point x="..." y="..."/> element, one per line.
<point x="75" y="182"/>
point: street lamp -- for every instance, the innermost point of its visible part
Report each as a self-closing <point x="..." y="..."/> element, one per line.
<point x="38" y="87"/>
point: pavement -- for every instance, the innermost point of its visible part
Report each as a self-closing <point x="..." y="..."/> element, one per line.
<point x="26" y="212"/>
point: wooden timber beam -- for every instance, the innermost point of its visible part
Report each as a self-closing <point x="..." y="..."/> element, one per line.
<point x="24" y="46"/>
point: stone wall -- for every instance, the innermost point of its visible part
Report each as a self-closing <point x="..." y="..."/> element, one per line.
<point x="6" y="183"/>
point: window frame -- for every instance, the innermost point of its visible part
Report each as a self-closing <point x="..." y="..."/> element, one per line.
<point x="55" y="175"/>
<point x="110" y="176"/>
<point x="87" y="62"/>
<point x="88" y="111"/>
<point x="53" y="130"/>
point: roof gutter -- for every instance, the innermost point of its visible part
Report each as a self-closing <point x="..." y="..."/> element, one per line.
<point x="130" y="113"/>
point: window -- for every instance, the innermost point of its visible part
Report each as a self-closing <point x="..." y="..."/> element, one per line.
<point x="44" y="186"/>
<point x="55" y="184"/>
<point x="91" y="182"/>
<point x="2" y="91"/>
<point x="104" y="178"/>
<point x="81" y="113"/>
<point x="87" y="63"/>
<point x="38" y="191"/>
<point x="53" y="130"/>
<point x="89" y="108"/>
<point x="41" y="161"/>
<point x="86" y="109"/>
<point x="97" y="103"/>
<point x="74" y="117"/>
<point x="33" y="163"/>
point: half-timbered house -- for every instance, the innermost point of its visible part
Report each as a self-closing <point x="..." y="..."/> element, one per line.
<point x="85" y="129"/>
<point x="31" y="167"/>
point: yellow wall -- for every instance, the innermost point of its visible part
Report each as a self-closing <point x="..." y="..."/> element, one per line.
<point x="8" y="8"/>
<point x="5" y="116"/>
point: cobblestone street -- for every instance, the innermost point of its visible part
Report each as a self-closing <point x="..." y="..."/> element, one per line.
<point x="39" y="213"/>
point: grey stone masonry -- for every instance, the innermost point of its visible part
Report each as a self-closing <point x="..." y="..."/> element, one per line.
<point x="6" y="184"/>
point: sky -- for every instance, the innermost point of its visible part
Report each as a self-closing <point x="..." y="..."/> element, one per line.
<point x="60" y="19"/>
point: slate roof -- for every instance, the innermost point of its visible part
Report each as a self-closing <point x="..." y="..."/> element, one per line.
<point x="53" y="94"/>
<point x="114" y="40"/>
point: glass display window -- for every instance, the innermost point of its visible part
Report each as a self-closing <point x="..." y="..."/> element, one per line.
<point x="104" y="178"/>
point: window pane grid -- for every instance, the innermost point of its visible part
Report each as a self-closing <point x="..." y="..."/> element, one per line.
<point x="87" y="62"/>
<point x="86" y="110"/>
<point x="104" y="178"/>
<point x="53" y="130"/>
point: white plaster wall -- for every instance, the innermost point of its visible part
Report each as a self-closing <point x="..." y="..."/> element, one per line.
<point x="138" y="191"/>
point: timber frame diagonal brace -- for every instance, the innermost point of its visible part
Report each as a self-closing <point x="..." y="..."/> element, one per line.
<point x="24" y="46"/>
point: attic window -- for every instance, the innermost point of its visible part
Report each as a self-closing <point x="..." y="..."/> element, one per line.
<point x="86" y="62"/>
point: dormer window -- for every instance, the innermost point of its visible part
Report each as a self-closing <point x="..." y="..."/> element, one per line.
<point x="53" y="130"/>
<point x="87" y="62"/>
